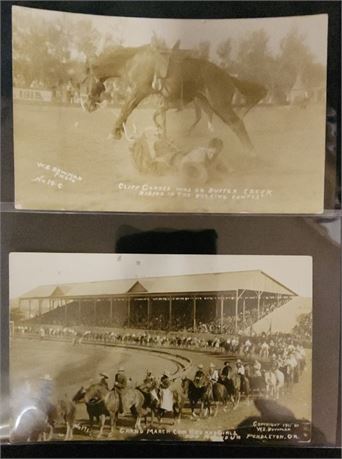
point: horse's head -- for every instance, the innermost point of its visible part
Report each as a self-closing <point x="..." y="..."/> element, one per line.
<point x="79" y="396"/>
<point x="185" y="383"/>
<point x="91" y="91"/>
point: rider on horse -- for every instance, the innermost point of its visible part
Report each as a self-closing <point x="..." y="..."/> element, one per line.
<point x="242" y="375"/>
<point x="120" y="384"/>
<point x="213" y="374"/>
<point x="104" y="380"/>
<point x="166" y="395"/>
<point x="200" y="379"/>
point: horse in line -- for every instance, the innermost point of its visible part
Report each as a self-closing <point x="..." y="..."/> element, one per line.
<point x="101" y="403"/>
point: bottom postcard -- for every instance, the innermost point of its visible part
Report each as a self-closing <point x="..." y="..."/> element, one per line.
<point x="160" y="347"/>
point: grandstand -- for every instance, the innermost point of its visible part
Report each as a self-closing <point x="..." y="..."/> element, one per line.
<point x="217" y="302"/>
<point x="280" y="320"/>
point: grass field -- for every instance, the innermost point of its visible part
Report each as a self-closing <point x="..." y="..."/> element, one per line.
<point x="289" y="146"/>
<point x="74" y="366"/>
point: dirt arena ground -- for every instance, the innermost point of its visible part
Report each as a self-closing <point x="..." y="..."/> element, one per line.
<point x="74" y="366"/>
<point x="289" y="146"/>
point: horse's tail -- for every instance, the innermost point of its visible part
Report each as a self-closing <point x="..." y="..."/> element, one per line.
<point x="253" y="92"/>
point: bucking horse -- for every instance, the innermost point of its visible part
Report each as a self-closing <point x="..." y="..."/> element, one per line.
<point x="175" y="76"/>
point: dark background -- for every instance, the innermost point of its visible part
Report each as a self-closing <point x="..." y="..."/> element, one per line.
<point x="165" y="233"/>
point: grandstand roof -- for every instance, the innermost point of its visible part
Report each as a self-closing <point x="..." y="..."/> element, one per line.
<point x="255" y="280"/>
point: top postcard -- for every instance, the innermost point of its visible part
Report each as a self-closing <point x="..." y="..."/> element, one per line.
<point x="169" y="115"/>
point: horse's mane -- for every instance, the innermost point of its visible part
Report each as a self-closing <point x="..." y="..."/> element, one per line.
<point x="95" y="389"/>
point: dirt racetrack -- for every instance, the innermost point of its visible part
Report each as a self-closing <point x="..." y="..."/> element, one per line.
<point x="289" y="163"/>
<point x="74" y="366"/>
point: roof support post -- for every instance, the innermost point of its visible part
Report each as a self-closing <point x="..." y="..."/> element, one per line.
<point x="244" y="310"/>
<point x="39" y="307"/>
<point x="29" y="308"/>
<point x="221" y="314"/>
<point x="20" y="304"/>
<point x="236" y="309"/>
<point x="194" y="313"/>
<point x="66" y="313"/>
<point x="95" y="315"/>
<point x="148" y="311"/>
<point x="79" y="309"/>
<point x="170" y="312"/>
<point x="129" y="311"/>
<point x="111" y="310"/>
<point x="259" y="297"/>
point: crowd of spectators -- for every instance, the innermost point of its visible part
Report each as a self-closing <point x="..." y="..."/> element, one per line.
<point x="182" y="321"/>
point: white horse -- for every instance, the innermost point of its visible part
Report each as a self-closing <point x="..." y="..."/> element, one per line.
<point x="274" y="383"/>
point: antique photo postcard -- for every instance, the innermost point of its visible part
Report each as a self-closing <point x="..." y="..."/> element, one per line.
<point x="168" y="115"/>
<point x="160" y="347"/>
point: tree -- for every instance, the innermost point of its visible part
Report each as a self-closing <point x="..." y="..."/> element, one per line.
<point x="294" y="58"/>
<point x="86" y="39"/>
<point x="16" y="315"/>
<point x="254" y="61"/>
<point x="44" y="50"/>
<point x="224" y="50"/>
<point x="203" y="50"/>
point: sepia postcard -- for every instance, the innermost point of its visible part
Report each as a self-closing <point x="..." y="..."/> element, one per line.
<point x="169" y="115"/>
<point x="160" y="347"/>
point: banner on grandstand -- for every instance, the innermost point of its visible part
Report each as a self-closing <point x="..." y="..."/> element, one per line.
<point x="169" y="332"/>
<point x="32" y="94"/>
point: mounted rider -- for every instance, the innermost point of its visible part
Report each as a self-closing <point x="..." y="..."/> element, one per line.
<point x="104" y="380"/>
<point x="149" y="388"/>
<point x="166" y="395"/>
<point x="213" y="374"/>
<point x="200" y="379"/>
<point x="226" y="379"/>
<point x="120" y="384"/>
<point x="242" y="376"/>
<point x="213" y="377"/>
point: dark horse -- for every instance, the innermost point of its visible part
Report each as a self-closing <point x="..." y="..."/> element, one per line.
<point x="101" y="403"/>
<point x="197" y="394"/>
<point x="177" y="77"/>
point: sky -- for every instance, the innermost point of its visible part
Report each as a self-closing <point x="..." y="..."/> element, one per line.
<point x="138" y="31"/>
<point x="30" y="270"/>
